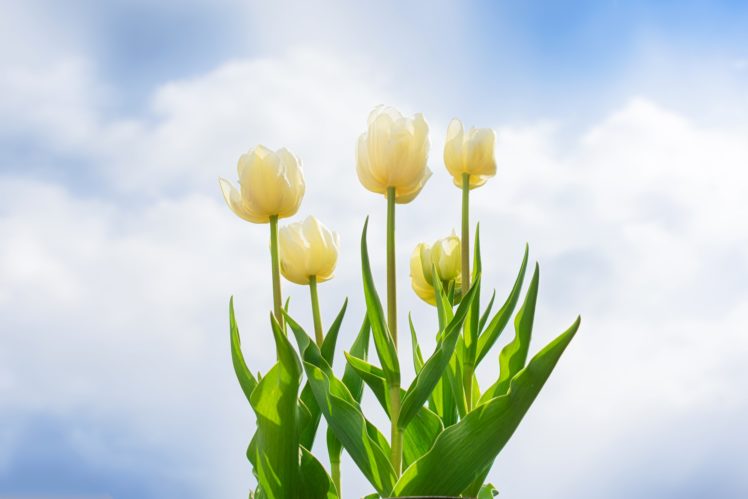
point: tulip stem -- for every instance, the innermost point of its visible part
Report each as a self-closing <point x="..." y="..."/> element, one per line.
<point x="465" y="233"/>
<point x="465" y="253"/>
<point x="391" y="277"/>
<point x="315" y="310"/>
<point x="275" y="264"/>
<point x="396" y="436"/>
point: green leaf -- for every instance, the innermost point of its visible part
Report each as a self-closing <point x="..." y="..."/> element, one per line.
<point x="425" y="381"/>
<point x="488" y="491"/>
<point x="470" y="331"/>
<point x="345" y="419"/>
<point x="487" y="312"/>
<point x="246" y="380"/>
<point x="500" y="320"/>
<point x="383" y="341"/>
<point x="415" y="349"/>
<point x="331" y="338"/>
<point x="343" y="414"/>
<point x="514" y="355"/>
<point x="422" y="430"/>
<point x="454" y="379"/>
<point x="276" y="441"/>
<point x="314" y="480"/>
<point x="353" y="382"/>
<point x="472" y="444"/>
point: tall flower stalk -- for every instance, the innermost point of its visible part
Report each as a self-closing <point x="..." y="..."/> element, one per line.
<point x="391" y="160"/>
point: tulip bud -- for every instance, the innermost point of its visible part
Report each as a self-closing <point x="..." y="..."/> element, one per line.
<point x="471" y="153"/>
<point x="444" y="255"/>
<point x="271" y="184"/>
<point x="393" y="153"/>
<point x="308" y="249"/>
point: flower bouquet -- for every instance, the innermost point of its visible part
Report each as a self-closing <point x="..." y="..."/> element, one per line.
<point x="442" y="415"/>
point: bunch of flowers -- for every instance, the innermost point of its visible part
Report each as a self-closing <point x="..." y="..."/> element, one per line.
<point x="446" y="430"/>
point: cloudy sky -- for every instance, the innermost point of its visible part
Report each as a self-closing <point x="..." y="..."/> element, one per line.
<point x="622" y="151"/>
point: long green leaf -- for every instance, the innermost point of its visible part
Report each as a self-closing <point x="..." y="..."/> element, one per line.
<point x="343" y="415"/>
<point x="415" y="348"/>
<point x="472" y="320"/>
<point x="314" y="480"/>
<point x="423" y="429"/>
<point x="425" y="381"/>
<point x="514" y="355"/>
<point x="246" y="380"/>
<point x="473" y="443"/>
<point x="353" y="382"/>
<point x="331" y="338"/>
<point x="276" y="441"/>
<point x="498" y="323"/>
<point x="487" y="312"/>
<point x="383" y="341"/>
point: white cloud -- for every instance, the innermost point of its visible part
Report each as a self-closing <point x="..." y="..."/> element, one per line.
<point x="117" y="309"/>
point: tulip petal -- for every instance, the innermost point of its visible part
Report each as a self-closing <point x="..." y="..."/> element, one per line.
<point x="234" y="201"/>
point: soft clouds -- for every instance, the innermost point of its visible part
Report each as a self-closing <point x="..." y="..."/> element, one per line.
<point x="113" y="301"/>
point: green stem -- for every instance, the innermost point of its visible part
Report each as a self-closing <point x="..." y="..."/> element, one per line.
<point x="391" y="278"/>
<point x="467" y="370"/>
<point x="396" y="437"/>
<point x="275" y="263"/>
<point x="315" y="310"/>
<point x="335" y="470"/>
<point x="465" y="233"/>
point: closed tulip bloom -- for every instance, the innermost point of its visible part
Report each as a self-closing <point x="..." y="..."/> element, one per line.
<point x="470" y="152"/>
<point x="444" y="256"/>
<point x="393" y="153"/>
<point x="308" y="249"/>
<point x="418" y="279"/>
<point x="270" y="184"/>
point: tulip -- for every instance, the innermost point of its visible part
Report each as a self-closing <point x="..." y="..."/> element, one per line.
<point x="308" y="253"/>
<point x="391" y="160"/>
<point x="271" y="184"/>
<point x="470" y="159"/>
<point x="444" y="256"/>
<point x="271" y="187"/>
<point x="308" y="250"/>
<point x="393" y="153"/>
<point x="470" y="153"/>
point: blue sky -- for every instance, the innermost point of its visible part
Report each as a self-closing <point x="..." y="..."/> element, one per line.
<point x="622" y="160"/>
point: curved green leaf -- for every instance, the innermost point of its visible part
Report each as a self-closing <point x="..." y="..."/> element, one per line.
<point x="331" y="338"/>
<point x="472" y="444"/>
<point x="275" y="445"/>
<point x="514" y="355"/>
<point x="422" y="430"/>
<point x="246" y="380"/>
<point x="425" y="381"/>
<point x="415" y="348"/>
<point x="383" y="341"/>
<point x="314" y="480"/>
<point x="500" y="320"/>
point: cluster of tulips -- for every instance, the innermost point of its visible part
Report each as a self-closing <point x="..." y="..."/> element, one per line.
<point x="445" y="431"/>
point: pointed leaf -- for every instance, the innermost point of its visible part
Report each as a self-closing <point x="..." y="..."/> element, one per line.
<point x="246" y="380"/>
<point x="314" y="480"/>
<point x="473" y="443"/>
<point x="276" y="441"/>
<point x="432" y="371"/>
<point x="487" y="312"/>
<point x="328" y="343"/>
<point x="415" y="349"/>
<point x="514" y="355"/>
<point x="383" y="341"/>
<point x="500" y="320"/>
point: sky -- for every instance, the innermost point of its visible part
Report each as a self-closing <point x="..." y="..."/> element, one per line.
<point x="622" y="158"/>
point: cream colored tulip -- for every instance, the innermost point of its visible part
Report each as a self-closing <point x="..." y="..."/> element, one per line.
<point x="444" y="255"/>
<point x="393" y="153"/>
<point x="270" y="184"/>
<point x="471" y="153"/>
<point x="308" y="249"/>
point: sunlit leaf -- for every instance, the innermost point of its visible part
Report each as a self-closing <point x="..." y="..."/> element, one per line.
<point x="246" y="380"/>
<point x="469" y="446"/>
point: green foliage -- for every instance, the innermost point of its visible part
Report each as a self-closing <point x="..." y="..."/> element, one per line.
<point x="451" y="432"/>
